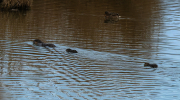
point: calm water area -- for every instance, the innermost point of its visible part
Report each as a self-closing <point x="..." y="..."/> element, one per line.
<point x="111" y="54"/>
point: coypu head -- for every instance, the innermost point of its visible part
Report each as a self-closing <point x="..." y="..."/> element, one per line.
<point x="107" y="13"/>
<point x="68" y="50"/>
<point x="40" y="43"/>
<point x="71" y="51"/>
<point x="151" y="65"/>
<point x="36" y="41"/>
<point x="117" y="15"/>
<point x="146" y="64"/>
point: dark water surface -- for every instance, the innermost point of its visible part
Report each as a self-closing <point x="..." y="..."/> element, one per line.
<point x="109" y="65"/>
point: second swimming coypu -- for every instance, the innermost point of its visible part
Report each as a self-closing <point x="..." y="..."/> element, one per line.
<point x="150" y="65"/>
<point x="38" y="42"/>
<point x="71" y="51"/>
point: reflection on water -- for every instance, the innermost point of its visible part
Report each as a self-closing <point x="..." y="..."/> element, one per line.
<point x="111" y="54"/>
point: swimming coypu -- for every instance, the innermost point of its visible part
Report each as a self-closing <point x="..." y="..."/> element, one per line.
<point x="150" y="65"/>
<point x="109" y="15"/>
<point x="38" y="42"/>
<point x="71" y="51"/>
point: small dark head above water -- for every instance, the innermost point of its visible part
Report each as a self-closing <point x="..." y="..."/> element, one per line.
<point x="71" y="51"/>
<point x="150" y="65"/>
<point x="38" y="42"/>
<point x="111" y="15"/>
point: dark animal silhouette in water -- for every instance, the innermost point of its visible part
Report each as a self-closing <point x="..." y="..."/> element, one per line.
<point x="38" y="42"/>
<point x="71" y="51"/>
<point x="150" y="65"/>
<point x="110" y="15"/>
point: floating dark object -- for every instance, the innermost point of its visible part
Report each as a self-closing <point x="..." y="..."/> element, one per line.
<point x="110" y="15"/>
<point x="150" y="65"/>
<point x="71" y="51"/>
<point x="38" y="42"/>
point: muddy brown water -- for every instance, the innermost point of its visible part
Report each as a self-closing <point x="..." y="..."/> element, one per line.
<point x="111" y="54"/>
